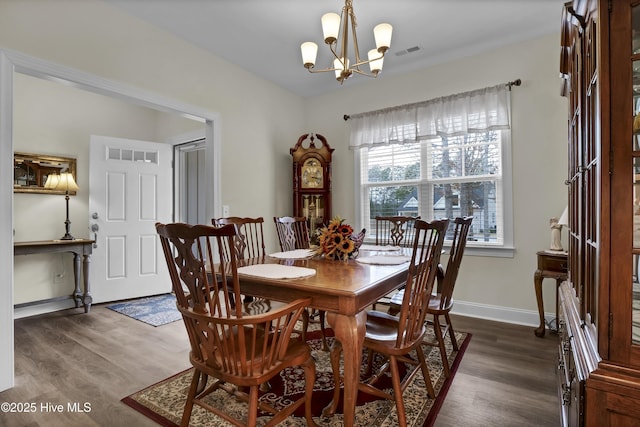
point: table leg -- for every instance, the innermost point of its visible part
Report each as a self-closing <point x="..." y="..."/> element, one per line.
<point x="86" y="269"/>
<point x="350" y="331"/>
<point x="537" y="281"/>
<point x="77" y="295"/>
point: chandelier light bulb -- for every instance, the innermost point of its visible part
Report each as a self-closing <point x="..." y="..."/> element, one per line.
<point x="330" y="27"/>
<point x="382" y="34"/>
<point x="309" y="53"/>
<point x="375" y="61"/>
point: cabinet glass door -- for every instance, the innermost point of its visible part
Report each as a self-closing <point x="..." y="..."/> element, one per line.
<point x="635" y="252"/>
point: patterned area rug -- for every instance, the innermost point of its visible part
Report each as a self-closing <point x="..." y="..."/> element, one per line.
<point x="164" y="402"/>
<point x="155" y="311"/>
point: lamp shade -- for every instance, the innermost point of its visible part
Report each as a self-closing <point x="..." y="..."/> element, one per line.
<point x="376" y="64"/>
<point x="309" y="53"/>
<point x="52" y="181"/>
<point x="382" y="34"/>
<point x="67" y="183"/>
<point x="330" y="27"/>
<point x="564" y="218"/>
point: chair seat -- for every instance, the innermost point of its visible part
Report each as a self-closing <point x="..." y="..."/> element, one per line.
<point x="434" y="303"/>
<point x="382" y="331"/>
<point x="260" y="306"/>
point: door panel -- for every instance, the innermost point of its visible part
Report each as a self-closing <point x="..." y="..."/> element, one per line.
<point x="130" y="184"/>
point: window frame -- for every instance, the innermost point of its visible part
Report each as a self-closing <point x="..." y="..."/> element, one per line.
<point x="425" y="187"/>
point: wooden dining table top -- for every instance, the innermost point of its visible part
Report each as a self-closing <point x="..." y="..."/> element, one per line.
<point x="340" y="286"/>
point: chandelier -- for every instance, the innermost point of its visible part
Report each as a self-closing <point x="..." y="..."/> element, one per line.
<point x="336" y="30"/>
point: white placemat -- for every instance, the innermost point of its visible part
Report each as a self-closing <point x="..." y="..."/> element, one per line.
<point x="387" y="248"/>
<point x="383" y="260"/>
<point x="276" y="271"/>
<point x="295" y="254"/>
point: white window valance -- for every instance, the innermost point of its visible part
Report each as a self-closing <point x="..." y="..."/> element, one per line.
<point x="480" y="110"/>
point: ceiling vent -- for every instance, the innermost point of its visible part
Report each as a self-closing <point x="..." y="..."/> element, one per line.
<point x="413" y="49"/>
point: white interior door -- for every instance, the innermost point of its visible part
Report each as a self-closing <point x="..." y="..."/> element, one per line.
<point x="130" y="190"/>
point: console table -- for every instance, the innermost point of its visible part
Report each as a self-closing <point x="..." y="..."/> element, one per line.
<point x="80" y="248"/>
<point x="552" y="265"/>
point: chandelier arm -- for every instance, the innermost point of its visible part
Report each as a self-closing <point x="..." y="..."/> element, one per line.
<point x="335" y="54"/>
<point x="364" y="73"/>
<point x="358" y="64"/>
<point x="324" y="70"/>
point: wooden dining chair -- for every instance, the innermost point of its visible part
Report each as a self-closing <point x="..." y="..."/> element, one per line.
<point x="230" y="351"/>
<point x="249" y="243"/>
<point x="395" y="337"/>
<point x="249" y="240"/>
<point x="441" y="303"/>
<point x="293" y="233"/>
<point x="394" y="231"/>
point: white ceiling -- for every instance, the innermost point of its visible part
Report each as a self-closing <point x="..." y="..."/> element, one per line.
<point x="264" y="36"/>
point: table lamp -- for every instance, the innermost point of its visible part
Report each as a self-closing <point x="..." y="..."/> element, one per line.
<point x="66" y="183"/>
<point x="556" y="229"/>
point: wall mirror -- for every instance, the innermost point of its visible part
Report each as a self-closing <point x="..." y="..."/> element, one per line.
<point x="30" y="172"/>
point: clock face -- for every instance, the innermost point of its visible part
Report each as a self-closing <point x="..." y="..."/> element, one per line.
<point x="311" y="172"/>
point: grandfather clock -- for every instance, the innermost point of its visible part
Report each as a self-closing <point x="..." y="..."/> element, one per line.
<point x="312" y="180"/>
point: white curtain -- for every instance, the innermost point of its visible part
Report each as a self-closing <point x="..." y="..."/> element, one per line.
<point x="476" y="111"/>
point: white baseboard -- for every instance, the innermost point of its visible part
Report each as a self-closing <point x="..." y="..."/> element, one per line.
<point x="462" y="308"/>
<point x="500" y="314"/>
<point x="48" y="307"/>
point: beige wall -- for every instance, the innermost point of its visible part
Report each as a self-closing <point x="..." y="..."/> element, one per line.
<point x="260" y="122"/>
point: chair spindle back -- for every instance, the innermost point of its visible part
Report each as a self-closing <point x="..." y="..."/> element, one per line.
<point x="395" y="230"/>
<point x="458" y="245"/>
<point x="249" y="239"/>
<point x="423" y="267"/>
<point x="293" y="232"/>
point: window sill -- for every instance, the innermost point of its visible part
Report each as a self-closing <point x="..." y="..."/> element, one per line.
<point x="486" y="251"/>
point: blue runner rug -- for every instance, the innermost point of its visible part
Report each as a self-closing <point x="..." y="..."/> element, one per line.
<point x="156" y="311"/>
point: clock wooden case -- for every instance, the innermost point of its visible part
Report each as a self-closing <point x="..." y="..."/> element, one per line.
<point x="312" y="179"/>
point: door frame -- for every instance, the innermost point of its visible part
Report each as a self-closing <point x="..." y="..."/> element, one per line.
<point x="15" y="62"/>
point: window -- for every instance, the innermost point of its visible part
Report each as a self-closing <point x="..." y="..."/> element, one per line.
<point x="437" y="176"/>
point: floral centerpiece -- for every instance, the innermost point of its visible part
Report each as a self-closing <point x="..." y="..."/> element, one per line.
<point x="336" y="240"/>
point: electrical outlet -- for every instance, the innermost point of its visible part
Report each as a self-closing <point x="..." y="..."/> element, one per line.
<point x="225" y="210"/>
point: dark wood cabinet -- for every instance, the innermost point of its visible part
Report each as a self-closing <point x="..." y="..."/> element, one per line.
<point x="312" y="180"/>
<point x="599" y="352"/>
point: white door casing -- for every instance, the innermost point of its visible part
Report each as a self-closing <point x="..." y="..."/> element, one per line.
<point x="130" y="190"/>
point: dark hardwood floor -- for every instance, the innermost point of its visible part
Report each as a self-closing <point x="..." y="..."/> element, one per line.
<point x="506" y="378"/>
<point x="68" y="358"/>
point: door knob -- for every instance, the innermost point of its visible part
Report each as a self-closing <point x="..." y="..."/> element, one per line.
<point x="94" y="229"/>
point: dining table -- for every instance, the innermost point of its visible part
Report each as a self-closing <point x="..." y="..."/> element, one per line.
<point x="342" y="288"/>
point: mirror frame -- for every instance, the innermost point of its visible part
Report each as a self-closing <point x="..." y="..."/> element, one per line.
<point x="63" y="164"/>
